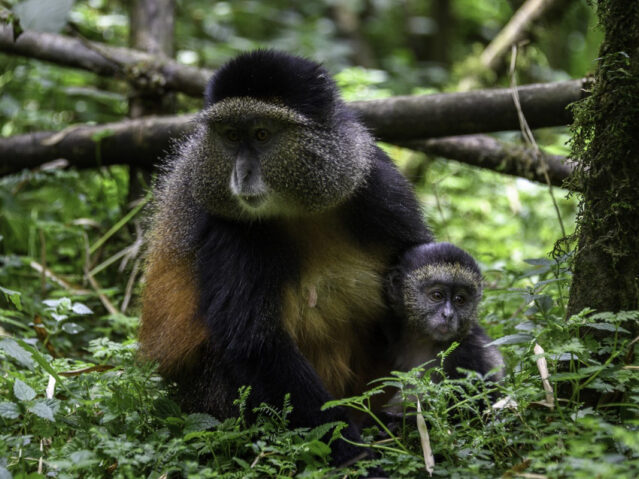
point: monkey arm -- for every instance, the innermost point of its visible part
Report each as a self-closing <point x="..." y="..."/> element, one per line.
<point x="273" y="371"/>
<point x="241" y="271"/>
<point x="471" y="354"/>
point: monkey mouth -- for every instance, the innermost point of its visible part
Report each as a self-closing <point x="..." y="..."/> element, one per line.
<point x="253" y="201"/>
<point x="443" y="329"/>
<point x="443" y="332"/>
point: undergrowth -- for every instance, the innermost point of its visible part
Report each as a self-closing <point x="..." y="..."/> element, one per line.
<point x="107" y="415"/>
<point x="74" y="402"/>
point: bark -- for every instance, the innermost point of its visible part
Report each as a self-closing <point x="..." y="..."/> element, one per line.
<point x="137" y="67"/>
<point x="487" y="152"/>
<point x="152" y="24"/>
<point x="607" y="146"/>
<point x="405" y="118"/>
<point x="141" y="142"/>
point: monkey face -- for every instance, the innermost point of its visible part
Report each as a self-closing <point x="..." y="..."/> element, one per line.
<point x="440" y="305"/>
<point x="258" y="159"/>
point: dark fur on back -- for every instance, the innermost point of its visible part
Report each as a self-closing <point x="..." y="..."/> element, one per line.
<point x="269" y="75"/>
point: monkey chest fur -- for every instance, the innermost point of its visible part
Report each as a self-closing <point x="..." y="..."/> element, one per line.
<point x="335" y="308"/>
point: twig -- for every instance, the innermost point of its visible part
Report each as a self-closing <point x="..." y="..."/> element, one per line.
<point x="94" y="284"/>
<point x="514" y="30"/>
<point x="542" y="366"/>
<point x="116" y="227"/>
<point x="129" y="286"/>
<point x="105" y="301"/>
<point x="257" y="459"/>
<point x="429" y="459"/>
<point x="77" y="372"/>
<point x="395" y="120"/>
<point x="530" y="138"/>
<point x="487" y="152"/>
<point x="56" y="279"/>
<point x="103" y="59"/>
<point x="43" y="335"/>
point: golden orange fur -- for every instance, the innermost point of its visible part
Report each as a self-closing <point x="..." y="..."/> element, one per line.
<point x="169" y="331"/>
<point x="329" y="312"/>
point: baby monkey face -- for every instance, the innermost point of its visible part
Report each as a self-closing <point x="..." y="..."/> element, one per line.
<point x="440" y="307"/>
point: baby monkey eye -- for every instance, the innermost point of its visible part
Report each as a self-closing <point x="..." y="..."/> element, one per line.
<point x="262" y="134"/>
<point x="436" y="296"/>
<point x="233" y="135"/>
<point x="459" y="300"/>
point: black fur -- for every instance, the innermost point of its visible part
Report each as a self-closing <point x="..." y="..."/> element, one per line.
<point x="271" y="75"/>
<point x="469" y="355"/>
<point x="396" y="218"/>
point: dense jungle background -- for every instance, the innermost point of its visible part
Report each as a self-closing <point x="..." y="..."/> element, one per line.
<point x="74" y="402"/>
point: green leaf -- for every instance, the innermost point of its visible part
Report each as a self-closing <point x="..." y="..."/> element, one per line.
<point x="517" y="338"/>
<point x="199" y="422"/>
<point x="607" y="327"/>
<point x="44" y="364"/>
<point x="9" y="410"/>
<point x="23" y="391"/>
<point x="242" y="463"/>
<point x="83" y="458"/>
<point x="568" y="376"/>
<point x="538" y="261"/>
<point x="166" y="408"/>
<point x="43" y="15"/>
<point x="42" y="409"/>
<point x="72" y="328"/>
<point x="79" y="308"/>
<point x="14" y="350"/>
<point x="13" y="296"/>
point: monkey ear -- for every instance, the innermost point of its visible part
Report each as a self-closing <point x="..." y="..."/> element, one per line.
<point x="208" y="92"/>
<point x="393" y="288"/>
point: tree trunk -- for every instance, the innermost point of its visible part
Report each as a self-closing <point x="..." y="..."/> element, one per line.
<point x="606" y="142"/>
<point x="152" y="23"/>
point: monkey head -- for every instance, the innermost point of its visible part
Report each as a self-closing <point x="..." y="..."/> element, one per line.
<point x="275" y="139"/>
<point x="437" y="288"/>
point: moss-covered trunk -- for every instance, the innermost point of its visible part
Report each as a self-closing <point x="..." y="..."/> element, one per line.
<point x="606" y="143"/>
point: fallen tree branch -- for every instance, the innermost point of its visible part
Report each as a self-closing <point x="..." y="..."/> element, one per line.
<point x="143" y="142"/>
<point x="393" y="120"/>
<point x="137" y="142"/>
<point x="140" y="68"/>
<point x="488" y="152"/>
<point x="403" y="118"/>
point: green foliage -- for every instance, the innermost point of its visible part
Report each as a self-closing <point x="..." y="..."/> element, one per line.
<point x="108" y="414"/>
<point x="122" y="422"/>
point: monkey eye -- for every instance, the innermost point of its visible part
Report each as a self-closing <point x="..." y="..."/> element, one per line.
<point x="459" y="300"/>
<point x="262" y="134"/>
<point x="233" y="135"/>
<point x="436" y="296"/>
